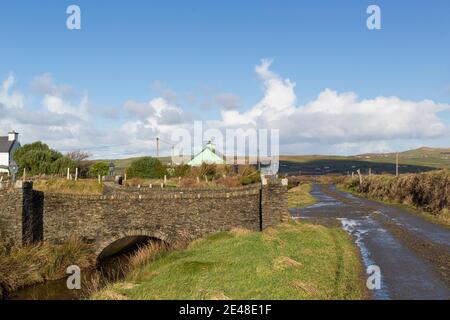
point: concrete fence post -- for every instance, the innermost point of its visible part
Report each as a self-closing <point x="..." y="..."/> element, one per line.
<point x="359" y="175"/>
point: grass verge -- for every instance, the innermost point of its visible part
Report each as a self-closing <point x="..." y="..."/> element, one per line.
<point x="300" y="196"/>
<point x="295" y="260"/>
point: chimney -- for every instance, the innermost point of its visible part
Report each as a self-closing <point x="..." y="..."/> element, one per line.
<point x="211" y="146"/>
<point x="13" y="136"/>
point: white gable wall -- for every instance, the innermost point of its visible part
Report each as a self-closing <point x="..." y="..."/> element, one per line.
<point x="4" y="160"/>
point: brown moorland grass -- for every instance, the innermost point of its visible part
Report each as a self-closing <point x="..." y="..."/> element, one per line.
<point x="61" y="185"/>
<point x="428" y="191"/>
<point x="27" y="265"/>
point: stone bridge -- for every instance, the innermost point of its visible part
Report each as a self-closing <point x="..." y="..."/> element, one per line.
<point x="175" y="216"/>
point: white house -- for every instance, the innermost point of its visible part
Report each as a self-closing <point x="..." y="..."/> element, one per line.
<point x="8" y="145"/>
<point x="207" y="155"/>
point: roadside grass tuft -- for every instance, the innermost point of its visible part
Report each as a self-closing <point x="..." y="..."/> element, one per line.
<point x="314" y="262"/>
<point x="300" y="197"/>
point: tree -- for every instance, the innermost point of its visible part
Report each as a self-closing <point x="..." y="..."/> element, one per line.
<point x="99" y="168"/>
<point x="61" y="165"/>
<point x="77" y="156"/>
<point x="80" y="159"/>
<point x="146" y="168"/>
<point x="36" y="158"/>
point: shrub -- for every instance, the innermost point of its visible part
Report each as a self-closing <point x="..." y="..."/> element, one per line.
<point x="248" y="175"/>
<point x="99" y="168"/>
<point x="37" y="158"/>
<point x="60" y="166"/>
<point x="205" y="170"/>
<point x="181" y="171"/>
<point x="146" y="168"/>
<point x="428" y="191"/>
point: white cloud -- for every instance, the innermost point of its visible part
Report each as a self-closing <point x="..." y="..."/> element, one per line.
<point x="338" y="122"/>
<point x="62" y="121"/>
<point x="10" y="100"/>
<point x="334" y="122"/>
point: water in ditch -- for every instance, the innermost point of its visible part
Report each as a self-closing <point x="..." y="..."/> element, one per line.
<point x="110" y="268"/>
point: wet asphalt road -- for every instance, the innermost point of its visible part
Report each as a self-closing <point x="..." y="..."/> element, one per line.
<point x="413" y="254"/>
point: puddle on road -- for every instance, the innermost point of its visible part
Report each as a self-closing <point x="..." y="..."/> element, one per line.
<point x="324" y="204"/>
<point x="405" y="275"/>
<point x="355" y="228"/>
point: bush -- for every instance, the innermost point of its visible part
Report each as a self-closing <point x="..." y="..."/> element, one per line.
<point x="428" y="191"/>
<point x="181" y="170"/>
<point x="205" y="170"/>
<point x="146" y="168"/>
<point x="248" y="175"/>
<point x="99" y="168"/>
<point x="60" y="166"/>
<point x="37" y="158"/>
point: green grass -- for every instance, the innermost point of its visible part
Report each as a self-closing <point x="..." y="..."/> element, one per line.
<point x="300" y="196"/>
<point x="291" y="261"/>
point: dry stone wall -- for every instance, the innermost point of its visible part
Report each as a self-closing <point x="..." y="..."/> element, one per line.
<point x="172" y="215"/>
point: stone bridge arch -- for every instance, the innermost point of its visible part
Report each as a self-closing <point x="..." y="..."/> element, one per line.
<point x="102" y="245"/>
<point x="175" y="216"/>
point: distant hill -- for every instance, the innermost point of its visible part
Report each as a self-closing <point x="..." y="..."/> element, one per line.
<point x="425" y="156"/>
<point x="418" y="160"/>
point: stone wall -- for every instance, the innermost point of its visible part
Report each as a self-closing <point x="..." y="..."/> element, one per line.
<point x="172" y="215"/>
<point x="274" y="204"/>
<point x="16" y="209"/>
<point x="11" y="203"/>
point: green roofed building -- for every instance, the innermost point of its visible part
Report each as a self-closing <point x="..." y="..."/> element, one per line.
<point x="207" y="155"/>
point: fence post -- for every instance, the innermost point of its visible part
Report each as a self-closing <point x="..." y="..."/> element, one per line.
<point x="360" y="176"/>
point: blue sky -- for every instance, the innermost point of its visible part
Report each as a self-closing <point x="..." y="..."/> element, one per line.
<point x="198" y="55"/>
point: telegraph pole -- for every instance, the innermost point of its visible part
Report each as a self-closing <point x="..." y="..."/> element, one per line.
<point x="396" y="164"/>
<point x="157" y="147"/>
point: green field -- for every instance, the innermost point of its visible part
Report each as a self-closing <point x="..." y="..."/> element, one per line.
<point x="426" y="157"/>
<point x="291" y="261"/>
<point x="412" y="161"/>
